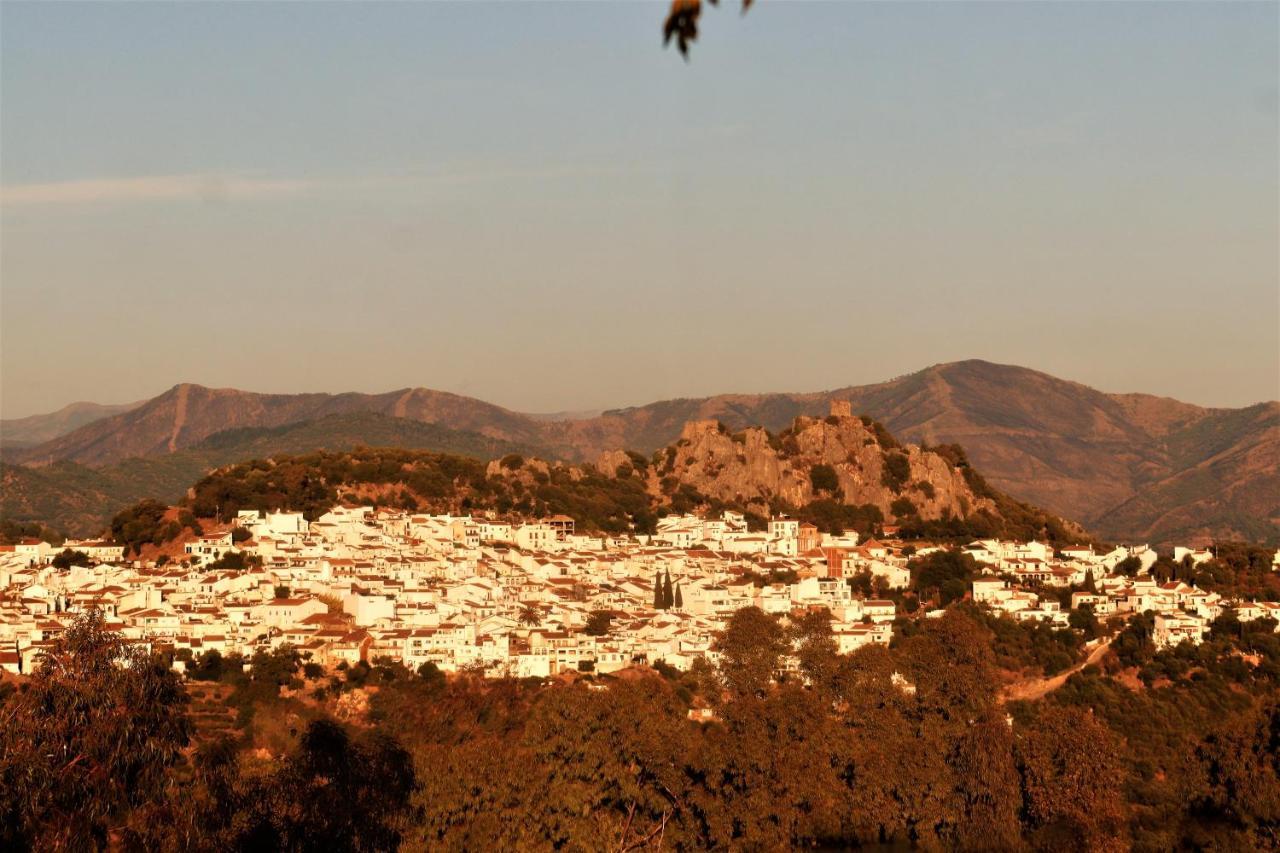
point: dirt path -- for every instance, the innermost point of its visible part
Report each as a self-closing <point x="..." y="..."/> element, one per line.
<point x="180" y="416"/>
<point x="1038" y="688"/>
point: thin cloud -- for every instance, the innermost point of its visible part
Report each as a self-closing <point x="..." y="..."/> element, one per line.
<point x="198" y="188"/>
<point x="212" y="189"/>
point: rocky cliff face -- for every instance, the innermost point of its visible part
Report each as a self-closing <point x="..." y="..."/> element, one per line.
<point x="841" y="457"/>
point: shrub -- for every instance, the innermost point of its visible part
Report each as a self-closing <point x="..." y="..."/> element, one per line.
<point x="824" y="478"/>
<point x="896" y="470"/>
<point x="902" y="507"/>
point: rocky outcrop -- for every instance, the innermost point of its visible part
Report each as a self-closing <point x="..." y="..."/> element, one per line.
<point x="839" y="457"/>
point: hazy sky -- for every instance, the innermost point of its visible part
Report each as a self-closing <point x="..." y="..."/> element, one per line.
<point x="537" y="205"/>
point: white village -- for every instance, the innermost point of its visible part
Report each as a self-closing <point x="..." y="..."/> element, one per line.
<point x="538" y="598"/>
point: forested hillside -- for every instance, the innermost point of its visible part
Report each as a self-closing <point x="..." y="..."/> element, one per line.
<point x="907" y="746"/>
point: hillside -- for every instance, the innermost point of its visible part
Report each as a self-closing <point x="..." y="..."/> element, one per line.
<point x="1131" y="466"/>
<point x="79" y="499"/>
<point x="1225" y="486"/>
<point x="839" y="473"/>
<point x="186" y="415"/>
<point x="36" y="429"/>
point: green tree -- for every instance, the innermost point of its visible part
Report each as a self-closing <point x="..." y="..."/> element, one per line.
<point x="1072" y="778"/>
<point x="1129" y="567"/>
<point x="139" y="525"/>
<point x="750" y="649"/>
<point x="68" y="558"/>
<point x="895" y="470"/>
<point x="598" y="623"/>
<point x="91" y="738"/>
<point x="207" y="667"/>
<point x="943" y="575"/>
<point x="951" y="664"/>
<point x="333" y="792"/>
<point x="987" y="784"/>
<point x="903" y="507"/>
<point x="1240" y="762"/>
<point x="529" y="616"/>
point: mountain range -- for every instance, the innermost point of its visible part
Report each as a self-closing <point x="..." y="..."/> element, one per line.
<point x="1127" y="466"/>
<point x="37" y="429"/>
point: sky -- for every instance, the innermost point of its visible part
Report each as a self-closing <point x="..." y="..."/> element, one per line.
<point x="536" y="204"/>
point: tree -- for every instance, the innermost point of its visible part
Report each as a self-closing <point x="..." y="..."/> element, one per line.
<point x="815" y="648"/>
<point x="903" y="507"/>
<point x="530" y="616"/>
<point x="678" y="601"/>
<point x="140" y="524"/>
<point x="432" y="677"/>
<point x="750" y="648"/>
<point x="68" y="558"/>
<point x="987" y="782"/>
<point x="207" y="667"/>
<point x="598" y="623"/>
<point x="770" y="777"/>
<point x="946" y="575"/>
<point x="1129" y="567"/>
<point x="1072" y="779"/>
<point x="1083" y="619"/>
<point x="92" y="737"/>
<point x="236" y="561"/>
<point x="952" y="666"/>
<point x="1164" y="569"/>
<point x="895" y="470"/>
<point x="334" y="792"/>
<point x="668" y="596"/>
<point x="281" y="591"/>
<point x="1241" y="767"/>
<point x="608" y="765"/>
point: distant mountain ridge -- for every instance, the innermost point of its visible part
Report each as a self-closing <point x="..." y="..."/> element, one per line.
<point x="187" y="414"/>
<point x="80" y="499"/>
<point x="1129" y="466"/>
<point x="36" y="429"/>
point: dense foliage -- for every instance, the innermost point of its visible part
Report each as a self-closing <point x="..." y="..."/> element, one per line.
<point x="88" y="739"/>
<point x="417" y="480"/>
<point x="900" y="746"/>
<point x="15" y="531"/>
